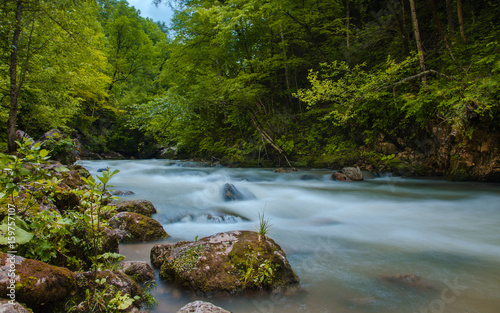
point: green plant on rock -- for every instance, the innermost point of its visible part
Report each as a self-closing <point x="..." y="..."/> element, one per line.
<point x="104" y="299"/>
<point x="255" y="271"/>
<point x="264" y="226"/>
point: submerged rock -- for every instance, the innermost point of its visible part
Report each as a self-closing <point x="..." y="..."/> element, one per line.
<point x="348" y="174"/>
<point x="226" y="263"/>
<point x="37" y="284"/>
<point x="135" y="227"/>
<point x="406" y="280"/>
<point x="143" y="207"/>
<point x="201" y="307"/>
<point x="122" y="192"/>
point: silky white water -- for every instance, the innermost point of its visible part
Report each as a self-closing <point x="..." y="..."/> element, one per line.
<point x="340" y="238"/>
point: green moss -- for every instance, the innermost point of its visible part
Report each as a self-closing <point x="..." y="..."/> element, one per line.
<point x="188" y="259"/>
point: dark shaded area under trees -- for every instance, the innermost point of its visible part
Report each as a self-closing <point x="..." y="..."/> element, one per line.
<point x="411" y="86"/>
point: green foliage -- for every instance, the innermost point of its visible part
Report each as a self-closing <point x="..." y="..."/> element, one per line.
<point x="106" y="299"/>
<point x="260" y="274"/>
<point x="264" y="226"/>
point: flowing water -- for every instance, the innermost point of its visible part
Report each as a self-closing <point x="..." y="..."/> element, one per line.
<point x="340" y="238"/>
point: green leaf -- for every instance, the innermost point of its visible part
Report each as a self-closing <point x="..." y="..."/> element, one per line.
<point x="61" y="169"/>
<point x="17" y="221"/>
<point x="44" y="153"/>
<point x="20" y="236"/>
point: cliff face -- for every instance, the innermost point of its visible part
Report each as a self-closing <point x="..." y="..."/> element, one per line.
<point x="460" y="157"/>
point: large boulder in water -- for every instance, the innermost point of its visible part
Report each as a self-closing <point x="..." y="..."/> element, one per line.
<point x="143" y="207"/>
<point x="136" y="227"/>
<point x="232" y="262"/>
<point x="37" y="284"/>
<point x="230" y="193"/>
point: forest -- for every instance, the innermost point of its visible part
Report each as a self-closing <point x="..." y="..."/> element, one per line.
<point x="411" y="87"/>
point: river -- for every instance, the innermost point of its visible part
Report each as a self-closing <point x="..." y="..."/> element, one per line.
<point x="340" y="238"/>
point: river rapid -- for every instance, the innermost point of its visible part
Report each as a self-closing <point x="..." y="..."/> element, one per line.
<point x="341" y="238"/>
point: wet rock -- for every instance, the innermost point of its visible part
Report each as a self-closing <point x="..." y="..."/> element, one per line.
<point x="112" y="155"/>
<point x="6" y="307"/>
<point x="141" y="272"/>
<point x="230" y="193"/>
<point x="201" y="307"/>
<point x="160" y="252"/>
<point x="136" y="227"/>
<point x="308" y="177"/>
<point x="406" y="280"/>
<point x="143" y="207"/>
<point x="122" y="192"/>
<point x="284" y="170"/>
<point x="37" y="284"/>
<point x="348" y="174"/>
<point x="232" y="262"/>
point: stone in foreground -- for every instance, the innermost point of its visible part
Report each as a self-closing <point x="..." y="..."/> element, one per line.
<point x="232" y="262"/>
<point x="201" y="307"/>
<point x="37" y="284"/>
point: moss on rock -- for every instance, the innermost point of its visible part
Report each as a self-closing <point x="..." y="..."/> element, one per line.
<point x="136" y="227"/>
<point x="37" y="284"/>
<point x="228" y="263"/>
<point x="143" y="207"/>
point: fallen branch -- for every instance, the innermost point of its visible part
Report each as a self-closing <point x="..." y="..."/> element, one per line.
<point x="407" y="79"/>
<point x="268" y="138"/>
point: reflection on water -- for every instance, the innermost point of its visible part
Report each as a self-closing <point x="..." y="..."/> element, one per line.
<point x="340" y="238"/>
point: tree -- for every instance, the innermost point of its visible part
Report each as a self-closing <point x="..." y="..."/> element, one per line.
<point x="418" y="40"/>
<point x="50" y="45"/>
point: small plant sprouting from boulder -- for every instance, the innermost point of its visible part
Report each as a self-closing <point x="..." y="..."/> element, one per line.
<point x="264" y="226"/>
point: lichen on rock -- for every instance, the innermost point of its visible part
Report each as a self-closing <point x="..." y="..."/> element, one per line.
<point x="232" y="262"/>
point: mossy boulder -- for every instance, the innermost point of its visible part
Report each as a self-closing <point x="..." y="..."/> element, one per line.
<point x="143" y="207"/>
<point x="141" y="272"/>
<point x="112" y="283"/>
<point x="135" y="227"/>
<point x="232" y="262"/>
<point x="118" y="279"/>
<point x="37" y="284"/>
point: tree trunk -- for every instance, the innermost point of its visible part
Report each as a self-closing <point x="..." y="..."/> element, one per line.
<point x="14" y="88"/>
<point x="440" y="28"/>
<point x="348" y="24"/>
<point x="417" y="39"/>
<point x="401" y="27"/>
<point x="287" y="78"/>
<point x="461" y="19"/>
<point x="451" y="24"/>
